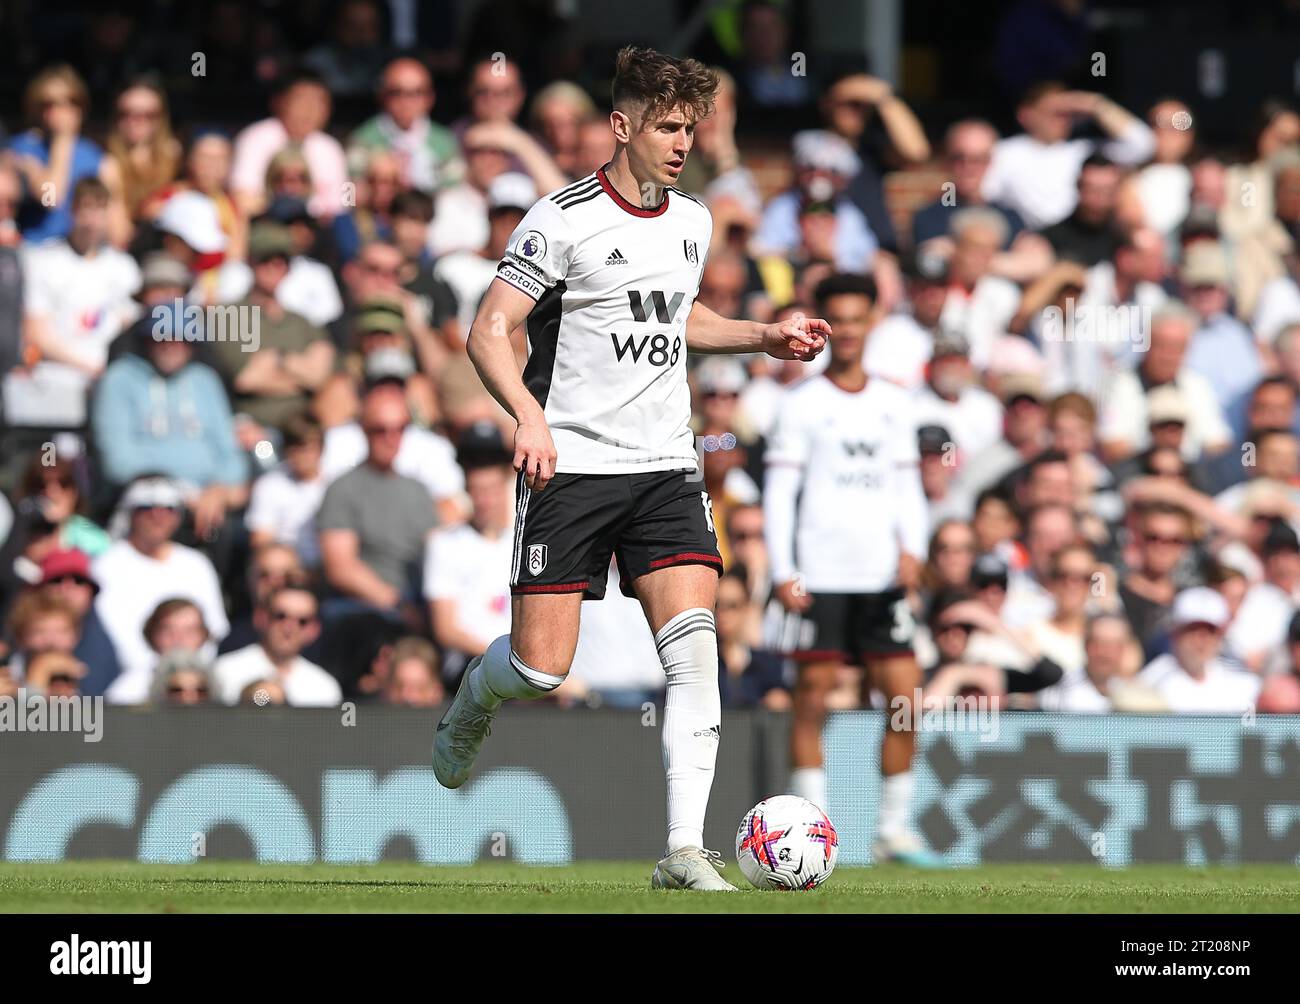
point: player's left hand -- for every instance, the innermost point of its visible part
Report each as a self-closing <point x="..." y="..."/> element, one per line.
<point x="909" y="571"/>
<point x="797" y="337"/>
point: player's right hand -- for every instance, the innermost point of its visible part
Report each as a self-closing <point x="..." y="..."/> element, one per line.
<point x="793" y="595"/>
<point x="534" y="454"/>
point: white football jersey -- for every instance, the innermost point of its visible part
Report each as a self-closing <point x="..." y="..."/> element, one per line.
<point x="858" y="455"/>
<point x="607" y="338"/>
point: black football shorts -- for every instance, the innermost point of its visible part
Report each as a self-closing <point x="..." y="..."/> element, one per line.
<point x="565" y="534"/>
<point x="848" y="627"/>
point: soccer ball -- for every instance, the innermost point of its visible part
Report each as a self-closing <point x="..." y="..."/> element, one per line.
<point x="786" y="842"/>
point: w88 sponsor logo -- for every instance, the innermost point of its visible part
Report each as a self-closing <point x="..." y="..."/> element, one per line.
<point x="656" y="349"/>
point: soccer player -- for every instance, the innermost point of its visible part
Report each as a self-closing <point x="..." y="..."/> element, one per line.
<point x="845" y="521"/>
<point x="605" y="272"/>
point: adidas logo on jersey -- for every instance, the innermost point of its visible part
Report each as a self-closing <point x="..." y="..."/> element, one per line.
<point x="616" y="258"/>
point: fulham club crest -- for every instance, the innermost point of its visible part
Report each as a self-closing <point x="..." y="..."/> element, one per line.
<point x="536" y="558"/>
<point x="692" y="252"/>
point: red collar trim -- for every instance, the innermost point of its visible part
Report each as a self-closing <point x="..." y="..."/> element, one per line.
<point x="626" y="206"/>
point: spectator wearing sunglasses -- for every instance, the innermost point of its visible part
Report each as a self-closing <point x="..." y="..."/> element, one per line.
<point x="66" y="576"/>
<point x="286" y="624"/>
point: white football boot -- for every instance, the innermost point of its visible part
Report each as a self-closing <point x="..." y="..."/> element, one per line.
<point x="905" y="848"/>
<point x="460" y="734"/>
<point x="691" y="868"/>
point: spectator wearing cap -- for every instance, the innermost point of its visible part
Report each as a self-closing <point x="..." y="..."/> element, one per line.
<point x="164" y="411"/>
<point x="308" y="287"/>
<point x="469" y="272"/>
<point x="207" y="172"/>
<point x="287" y="622"/>
<point x="951" y="398"/>
<point x="1258" y="631"/>
<point x="1124" y="426"/>
<point x="1222" y="349"/>
<point x="979" y="304"/>
<point x="374" y="521"/>
<point x="192" y="233"/>
<point x="283" y="502"/>
<point x="423" y="454"/>
<point x="66" y="575"/>
<point x="163" y="282"/>
<point x="1088" y="234"/>
<point x="1024" y="436"/>
<point x="428" y="152"/>
<point x="53" y="156"/>
<point x="1036" y="172"/>
<point x="182" y="679"/>
<point x="300" y="111"/>
<point x="467" y="567"/>
<point x="967" y="154"/>
<point x="292" y="358"/>
<point x="939" y="473"/>
<point x="824" y="164"/>
<point x="1112" y="657"/>
<point x="139" y="571"/>
<point x="1192" y="678"/>
<point x="77" y="299"/>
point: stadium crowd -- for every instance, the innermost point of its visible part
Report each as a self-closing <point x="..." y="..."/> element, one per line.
<point x="306" y="496"/>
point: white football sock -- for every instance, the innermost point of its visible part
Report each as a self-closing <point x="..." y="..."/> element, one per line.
<point x="895" y="804"/>
<point x="688" y="649"/>
<point x="809" y="783"/>
<point x="502" y="675"/>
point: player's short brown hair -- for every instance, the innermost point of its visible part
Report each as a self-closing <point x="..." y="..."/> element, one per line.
<point x="656" y="83"/>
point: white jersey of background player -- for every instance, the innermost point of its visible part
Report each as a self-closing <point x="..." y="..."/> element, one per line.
<point x="604" y="272"/>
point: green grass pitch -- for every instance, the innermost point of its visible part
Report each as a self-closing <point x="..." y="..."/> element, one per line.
<point x="623" y="887"/>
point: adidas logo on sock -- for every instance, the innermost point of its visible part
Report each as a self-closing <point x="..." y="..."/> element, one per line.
<point x="616" y="258"/>
<point x="713" y="732"/>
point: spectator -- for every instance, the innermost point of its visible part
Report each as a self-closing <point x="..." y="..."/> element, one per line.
<point x="467" y="567"/>
<point x="1073" y="582"/>
<point x="374" y="521"/>
<point x="995" y="523"/>
<point x="286" y="624"/>
<point x="146" y="155"/>
<point x="270" y="567"/>
<point x="938" y="473"/>
<point x="163" y="411"/>
<point x="54" y="490"/>
<point x="1159" y="195"/>
<point x="53" y="158"/>
<point x="283" y="502"/>
<point x="206" y="173"/>
<point x="40" y="623"/>
<point x="176" y="625"/>
<point x="1035" y="173"/>
<point x="292" y="357"/>
<point x="951" y="556"/>
<point x="1112" y="658"/>
<point x="763" y="73"/>
<point x="979" y="304"/>
<point x="750" y="677"/>
<point x="182" y="679"/>
<point x="1280" y="692"/>
<point x="1087" y="235"/>
<point x="1047" y="528"/>
<point x="968" y="152"/>
<point x="1024" y="436"/>
<point x="428" y="153"/>
<point x="192" y="232"/>
<point x="77" y="298"/>
<point x="951" y="399"/>
<point x="1192" y="679"/>
<point x="496" y="94"/>
<point x="558" y="111"/>
<point x="263" y="692"/>
<point x="141" y="570"/>
<point x="1271" y="405"/>
<point x="413" y="678"/>
<point x="300" y="110"/>
<point x="1124" y="423"/>
<point x="1258" y="629"/>
<point x="55" y="674"/>
<point x="1163" y="535"/>
<point x="66" y="575"/>
<point x="353" y="58"/>
<point x="901" y="343"/>
<point x="1222" y="349"/>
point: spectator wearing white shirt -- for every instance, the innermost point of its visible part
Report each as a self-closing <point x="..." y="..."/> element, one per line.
<point x="300" y="111"/>
<point x="77" y="298"/>
<point x="286" y="624"/>
<point x="467" y="567"/>
<point x="143" y="569"/>
<point x="1124" y="428"/>
<point x="1035" y="172"/>
<point x="899" y="345"/>
<point x="1258" y="631"/>
<point x="1112" y="657"/>
<point x="1160" y="194"/>
<point x="1193" y="679"/>
<point x="950" y="398"/>
<point x="283" y="503"/>
<point x="979" y="304"/>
